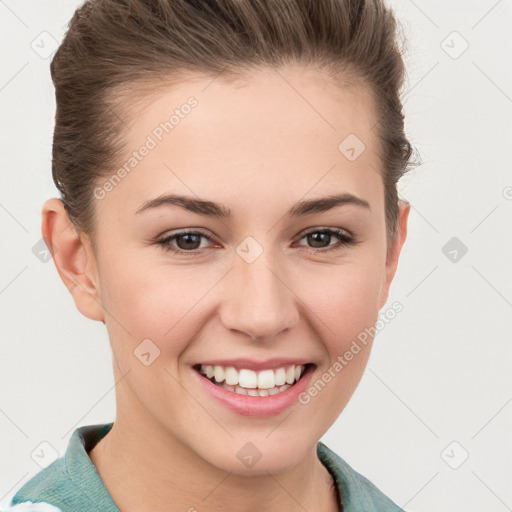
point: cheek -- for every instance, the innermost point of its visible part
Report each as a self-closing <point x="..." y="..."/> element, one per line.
<point x="170" y="303"/>
<point x="345" y="298"/>
<point x="157" y="302"/>
<point x="346" y="307"/>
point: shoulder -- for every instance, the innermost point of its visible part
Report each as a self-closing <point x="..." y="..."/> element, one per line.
<point x="357" y="493"/>
<point x="45" y="491"/>
<point x="70" y="483"/>
<point x="29" y="506"/>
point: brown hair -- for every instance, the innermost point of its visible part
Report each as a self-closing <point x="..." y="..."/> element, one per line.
<point x="114" y="51"/>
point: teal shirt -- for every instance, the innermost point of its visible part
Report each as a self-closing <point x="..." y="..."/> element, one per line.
<point x="72" y="484"/>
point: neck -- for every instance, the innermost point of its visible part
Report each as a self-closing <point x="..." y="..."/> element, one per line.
<point x="144" y="468"/>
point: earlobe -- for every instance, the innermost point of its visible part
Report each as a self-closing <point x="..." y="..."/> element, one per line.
<point x="394" y="252"/>
<point x="73" y="258"/>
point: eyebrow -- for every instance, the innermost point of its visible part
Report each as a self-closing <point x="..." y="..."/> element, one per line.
<point x="213" y="209"/>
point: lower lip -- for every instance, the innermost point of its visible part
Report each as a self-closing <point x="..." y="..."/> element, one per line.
<point x="257" y="405"/>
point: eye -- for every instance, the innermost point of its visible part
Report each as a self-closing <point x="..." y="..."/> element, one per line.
<point x="187" y="242"/>
<point x="318" y="237"/>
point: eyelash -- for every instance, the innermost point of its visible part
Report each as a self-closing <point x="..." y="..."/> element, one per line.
<point x="343" y="240"/>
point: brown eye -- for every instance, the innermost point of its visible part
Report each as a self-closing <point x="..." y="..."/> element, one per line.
<point x="186" y="242"/>
<point x="319" y="240"/>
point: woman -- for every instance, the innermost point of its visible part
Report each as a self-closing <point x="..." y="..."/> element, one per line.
<point x="229" y="210"/>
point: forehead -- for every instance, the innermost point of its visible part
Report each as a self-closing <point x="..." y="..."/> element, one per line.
<point x="268" y="101"/>
<point x="277" y="130"/>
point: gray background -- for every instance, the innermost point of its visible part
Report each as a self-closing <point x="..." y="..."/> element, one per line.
<point x="437" y="389"/>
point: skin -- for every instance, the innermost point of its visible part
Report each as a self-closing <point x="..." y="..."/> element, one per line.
<point x="257" y="147"/>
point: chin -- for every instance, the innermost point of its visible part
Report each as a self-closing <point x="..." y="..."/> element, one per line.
<point x="259" y="456"/>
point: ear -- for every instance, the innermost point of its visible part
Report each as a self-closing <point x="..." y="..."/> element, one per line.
<point x="73" y="257"/>
<point x="394" y="251"/>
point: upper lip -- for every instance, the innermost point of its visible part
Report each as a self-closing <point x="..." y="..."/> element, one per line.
<point x="252" y="364"/>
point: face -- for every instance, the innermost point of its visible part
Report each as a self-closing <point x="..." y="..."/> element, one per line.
<point x="262" y="281"/>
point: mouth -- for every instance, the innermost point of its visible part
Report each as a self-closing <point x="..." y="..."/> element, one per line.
<point x="248" y="382"/>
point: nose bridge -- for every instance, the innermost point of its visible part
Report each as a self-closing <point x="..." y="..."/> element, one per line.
<point x="258" y="302"/>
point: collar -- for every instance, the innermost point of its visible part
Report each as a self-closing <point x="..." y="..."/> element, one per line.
<point x="356" y="492"/>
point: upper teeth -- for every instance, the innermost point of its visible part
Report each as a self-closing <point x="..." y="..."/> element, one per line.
<point x="265" y="379"/>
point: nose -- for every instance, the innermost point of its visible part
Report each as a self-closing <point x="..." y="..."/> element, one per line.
<point x="257" y="300"/>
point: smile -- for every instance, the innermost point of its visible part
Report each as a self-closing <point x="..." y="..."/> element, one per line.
<point x="253" y="383"/>
<point x="254" y="388"/>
